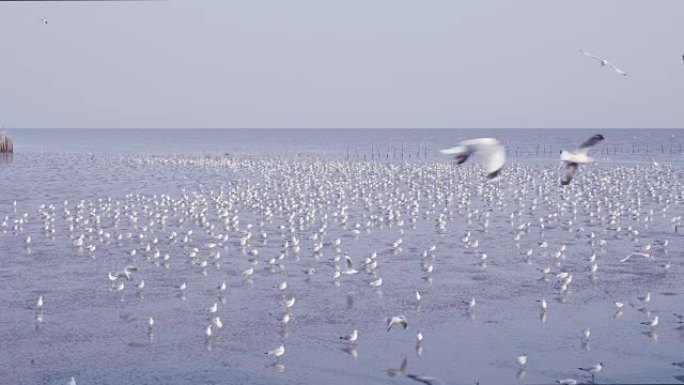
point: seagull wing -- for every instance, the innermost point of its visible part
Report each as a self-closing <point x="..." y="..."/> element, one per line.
<point x="349" y="262"/>
<point x="491" y="152"/>
<point x="592" y="56"/>
<point x="619" y="71"/>
<point x="570" y="170"/>
<point x="584" y="147"/>
<point x="493" y="156"/>
<point x="460" y="152"/>
<point x="425" y="379"/>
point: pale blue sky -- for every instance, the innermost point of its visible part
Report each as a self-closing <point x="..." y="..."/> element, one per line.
<point x="352" y="63"/>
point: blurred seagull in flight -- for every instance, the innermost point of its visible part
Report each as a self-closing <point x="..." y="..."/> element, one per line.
<point x="397" y="320"/>
<point x="491" y="152"/>
<point x="579" y="156"/>
<point x="604" y="62"/>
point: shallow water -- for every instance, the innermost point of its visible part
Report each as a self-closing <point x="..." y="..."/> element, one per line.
<point x="100" y="335"/>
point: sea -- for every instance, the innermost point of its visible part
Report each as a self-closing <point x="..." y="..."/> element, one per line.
<point x="95" y="201"/>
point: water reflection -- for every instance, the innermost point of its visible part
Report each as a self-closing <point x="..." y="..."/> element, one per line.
<point x="6" y="159"/>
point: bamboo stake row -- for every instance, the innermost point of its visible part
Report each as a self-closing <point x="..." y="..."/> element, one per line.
<point x="6" y="144"/>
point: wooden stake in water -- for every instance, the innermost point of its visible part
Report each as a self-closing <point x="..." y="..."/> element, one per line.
<point x="6" y="144"/>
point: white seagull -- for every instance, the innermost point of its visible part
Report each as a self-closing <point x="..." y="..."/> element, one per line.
<point x="579" y="156"/>
<point x="604" y="62"/>
<point x="351" y="337"/>
<point x="279" y="351"/>
<point x="594" y="369"/>
<point x="398" y="319"/>
<point x="491" y="152"/>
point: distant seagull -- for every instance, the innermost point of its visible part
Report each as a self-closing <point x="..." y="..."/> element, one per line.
<point x="279" y="351"/>
<point x="425" y="379"/>
<point x="351" y="337"/>
<point x="349" y="269"/>
<point x="652" y="323"/>
<point x="604" y="62"/>
<point x="397" y="320"/>
<point x="491" y="152"/>
<point x="579" y="156"/>
<point x="522" y="360"/>
<point x="594" y="369"/>
<point x="44" y="21"/>
<point x="645" y="255"/>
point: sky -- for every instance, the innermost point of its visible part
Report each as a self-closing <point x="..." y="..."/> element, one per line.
<point x="341" y="64"/>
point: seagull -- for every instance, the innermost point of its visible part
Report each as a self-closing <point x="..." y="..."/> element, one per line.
<point x="652" y="323"/>
<point x="604" y="62"/>
<point x="585" y="334"/>
<point x="72" y="381"/>
<point x="279" y="351"/>
<point x="351" y="337"/>
<point x="543" y="303"/>
<point x="645" y="298"/>
<point x="289" y="302"/>
<point x="213" y="308"/>
<point x="44" y="21"/>
<point x="471" y="304"/>
<point x="491" y="152"/>
<point x="425" y="379"/>
<point x="39" y="303"/>
<point x="349" y="266"/>
<point x="398" y="319"/>
<point x="594" y="369"/>
<point x="579" y="156"/>
<point x="522" y="360"/>
<point x="645" y="255"/>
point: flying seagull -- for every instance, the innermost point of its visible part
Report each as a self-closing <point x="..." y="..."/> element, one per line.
<point x="579" y="156"/>
<point x="44" y="21"/>
<point x="604" y="62"/>
<point x="397" y="320"/>
<point x="491" y="152"/>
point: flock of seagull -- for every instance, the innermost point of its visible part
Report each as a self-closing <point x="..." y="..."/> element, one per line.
<point x="493" y="155"/>
<point x="314" y="209"/>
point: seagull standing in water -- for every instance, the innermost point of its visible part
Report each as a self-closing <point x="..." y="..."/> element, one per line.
<point x="491" y="152"/>
<point x="579" y="156"/>
<point x="604" y="62"/>
<point x="593" y="370"/>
